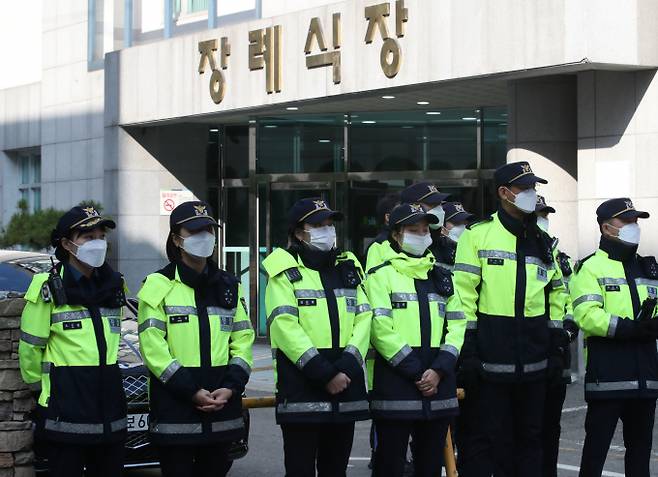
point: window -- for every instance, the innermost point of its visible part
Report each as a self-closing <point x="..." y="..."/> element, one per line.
<point x="29" y="188"/>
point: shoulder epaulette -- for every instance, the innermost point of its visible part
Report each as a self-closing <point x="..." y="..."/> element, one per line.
<point x="293" y="274"/>
<point x="381" y="265"/>
<point x="480" y="222"/>
<point x="580" y="262"/>
<point x="155" y="289"/>
<point x="33" y="292"/>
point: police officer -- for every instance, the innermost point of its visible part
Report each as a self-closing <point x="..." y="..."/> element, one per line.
<point x="444" y="247"/>
<point x="412" y="375"/>
<point x="557" y="387"/>
<point x="384" y="208"/>
<point x="319" y="320"/>
<point x="70" y="332"/>
<point x="196" y="339"/>
<point x="614" y="294"/>
<point x="512" y="292"/>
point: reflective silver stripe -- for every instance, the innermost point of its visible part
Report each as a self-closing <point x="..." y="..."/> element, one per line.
<point x="612" y="386"/>
<point x="166" y="428"/>
<point x="151" y="323"/>
<point x="557" y="283"/>
<point x="471" y="325"/>
<point x="497" y="254"/>
<point x="499" y="368"/>
<point x="295" y="407"/>
<point x="534" y="367"/>
<point x="398" y="296"/>
<point x="237" y="361"/>
<point x="450" y="349"/>
<point x="455" y="315"/>
<point x="441" y="404"/>
<point x="397" y="405"/>
<point x="382" y="312"/>
<point x="309" y="294"/>
<point x="45" y="367"/>
<point x="465" y="267"/>
<point x="586" y="298"/>
<point x="180" y="310"/>
<point x="307" y="356"/>
<point x="444" y="265"/>
<point x="354" y="351"/>
<point x="69" y="316"/>
<point x="539" y="262"/>
<point x="612" y="327"/>
<point x="432" y="297"/>
<point x="169" y="371"/>
<point x="80" y="428"/>
<point x="241" y="325"/>
<point x="371" y="354"/>
<point x="611" y="281"/>
<point x="400" y="355"/>
<point x="110" y="312"/>
<point x="652" y="384"/>
<point x="364" y="307"/>
<point x="282" y="310"/>
<point x="221" y="426"/>
<point x="353" y="406"/>
<point x="33" y="340"/>
<point x="218" y="310"/>
<point x="347" y="292"/>
<point x="555" y="324"/>
<point x="646" y="281"/>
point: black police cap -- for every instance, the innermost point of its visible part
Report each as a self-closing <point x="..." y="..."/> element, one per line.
<point x="79" y="218"/>
<point x="621" y="208"/>
<point x="455" y="212"/>
<point x="312" y="210"/>
<point x="542" y="206"/>
<point x="407" y="214"/>
<point x="193" y="215"/>
<point x="424" y="192"/>
<point x="516" y="173"/>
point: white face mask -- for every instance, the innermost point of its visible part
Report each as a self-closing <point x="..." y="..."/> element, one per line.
<point x="440" y="214"/>
<point x="525" y="201"/>
<point x="415" y="244"/>
<point x="629" y="233"/>
<point x="92" y="253"/>
<point x="322" y="238"/>
<point x="200" y="245"/>
<point x="543" y="223"/>
<point x="456" y="232"/>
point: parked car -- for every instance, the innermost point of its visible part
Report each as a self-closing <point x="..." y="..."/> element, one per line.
<point x="16" y="271"/>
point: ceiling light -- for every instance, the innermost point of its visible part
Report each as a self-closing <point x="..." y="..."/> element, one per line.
<point x="355" y="116"/>
<point x="469" y="119"/>
<point x="388" y="96"/>
<point x="324" y="140"/>
<point x="422" y="103"/>
<point x="252" y="121"/>
<point x="407" y="127"/>
<point x="269" y="126"/>
<point x="292" y="108"/>
<point x="214" y="130"/>
<point x="368" y="122"/>
<point x="433" y="113"/>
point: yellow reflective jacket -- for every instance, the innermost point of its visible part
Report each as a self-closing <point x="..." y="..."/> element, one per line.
<point x="72" y="349"/>
<point x="319" y="323"/>
<point x="194" y="333"/>
<point x="411" y="301"/>
<point x="513" y="294"/>
<point x="607" y="292"/>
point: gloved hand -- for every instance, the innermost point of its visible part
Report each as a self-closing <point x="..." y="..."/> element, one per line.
<point x="643" y="330"/>
<point x="572" y="329"/>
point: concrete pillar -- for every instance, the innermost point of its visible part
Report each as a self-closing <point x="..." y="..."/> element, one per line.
<point x="617" y="149"/>
<point x="542" y="130"/>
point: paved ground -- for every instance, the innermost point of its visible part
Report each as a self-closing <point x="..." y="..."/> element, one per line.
<point x="265" y="456"/>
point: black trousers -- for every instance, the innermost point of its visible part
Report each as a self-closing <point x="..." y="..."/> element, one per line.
<point x="465" y="425"/>
<point x="326" y="447"/>
<point x="510" y="414"/>
<point x="555" y="396"/>
<point x="70" y="460"/>
<point x="194" y="461"/>
<point x="393" y="438"/>
<point x="637" y="417"/>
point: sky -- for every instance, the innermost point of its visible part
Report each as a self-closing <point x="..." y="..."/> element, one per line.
<point x="20" y="42"/>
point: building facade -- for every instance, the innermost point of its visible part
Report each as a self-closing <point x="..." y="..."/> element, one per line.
<point x="251" y="105"/>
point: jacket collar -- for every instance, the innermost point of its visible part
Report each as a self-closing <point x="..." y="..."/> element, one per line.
<point x="617" y="250"/>
<point x="408" y="265"/>
<point x="515" y="226"/>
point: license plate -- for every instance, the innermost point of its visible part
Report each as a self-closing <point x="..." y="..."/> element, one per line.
<point x="138" y="422"/>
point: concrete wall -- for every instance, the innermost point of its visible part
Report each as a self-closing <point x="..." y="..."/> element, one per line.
<point x="617" y="149"/>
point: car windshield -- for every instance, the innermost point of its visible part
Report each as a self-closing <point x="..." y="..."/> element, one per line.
<point x="14" y="278"/>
